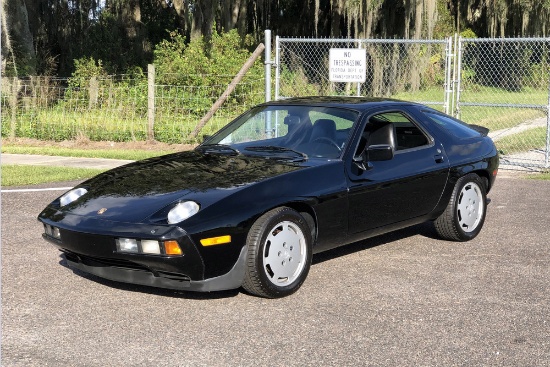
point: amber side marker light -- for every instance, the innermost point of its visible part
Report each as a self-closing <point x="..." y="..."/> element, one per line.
<point x="216" y="240"/>
<point x="172" y="248"/>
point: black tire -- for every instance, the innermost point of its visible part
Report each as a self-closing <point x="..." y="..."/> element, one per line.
<point x="279" y="254"/>
<point x="464" y="216"/>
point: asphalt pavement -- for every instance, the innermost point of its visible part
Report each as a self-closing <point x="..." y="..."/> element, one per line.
<point x="401" y="299"/>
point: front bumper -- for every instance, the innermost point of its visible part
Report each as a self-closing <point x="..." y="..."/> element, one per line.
<point x="231" y="280"/>
<point x="95" y="253"/>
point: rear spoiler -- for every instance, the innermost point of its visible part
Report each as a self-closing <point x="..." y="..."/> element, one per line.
<point x="480" y="129"/>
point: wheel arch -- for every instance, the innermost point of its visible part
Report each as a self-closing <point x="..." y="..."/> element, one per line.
<point x="307" y="212"/>
<point x="485" y="177"/>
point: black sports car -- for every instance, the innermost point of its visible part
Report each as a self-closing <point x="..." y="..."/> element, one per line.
<point x="287" y="179"/>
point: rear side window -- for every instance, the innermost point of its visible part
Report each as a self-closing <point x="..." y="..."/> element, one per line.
<point x="407" y="134"/>
<point x="455" y="127"/>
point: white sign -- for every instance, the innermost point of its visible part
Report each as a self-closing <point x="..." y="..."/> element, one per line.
<point x="347" y="65"/>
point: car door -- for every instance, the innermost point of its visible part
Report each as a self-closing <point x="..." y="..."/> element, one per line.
<point x="407" y="186"/>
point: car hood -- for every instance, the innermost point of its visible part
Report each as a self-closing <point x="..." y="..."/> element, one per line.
<point x="134" y="192"/>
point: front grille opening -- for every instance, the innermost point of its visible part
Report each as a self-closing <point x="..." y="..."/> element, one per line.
<point x="101" y="262"/>
<point x="174" y="276"/>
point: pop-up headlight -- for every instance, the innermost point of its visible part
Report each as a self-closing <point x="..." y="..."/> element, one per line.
<point x="71" y="196"/>
<point x="182" y="211"/>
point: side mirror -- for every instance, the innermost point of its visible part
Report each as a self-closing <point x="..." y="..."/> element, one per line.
<point x="379" y="152"/>
<point x="376" y="152"/>
<point x="360" y="160"/>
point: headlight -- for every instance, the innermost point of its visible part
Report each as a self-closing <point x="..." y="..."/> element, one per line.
<point x="72" y="195"/>
<point x="182" y="211"/>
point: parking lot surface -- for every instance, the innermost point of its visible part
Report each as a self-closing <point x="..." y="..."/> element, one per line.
<point x="402" y="299"/>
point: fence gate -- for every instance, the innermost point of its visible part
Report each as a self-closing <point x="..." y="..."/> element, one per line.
<point x="394" y="68"/>
<point x="503" y="84"/>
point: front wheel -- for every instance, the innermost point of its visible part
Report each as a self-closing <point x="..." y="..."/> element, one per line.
<point x="279" y="254"/>
<point x="465" y="214"/>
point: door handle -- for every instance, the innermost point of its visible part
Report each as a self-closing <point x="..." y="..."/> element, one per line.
<point x="439" y="158"/>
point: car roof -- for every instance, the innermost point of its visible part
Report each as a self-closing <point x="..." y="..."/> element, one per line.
<point x="358" y="103"/>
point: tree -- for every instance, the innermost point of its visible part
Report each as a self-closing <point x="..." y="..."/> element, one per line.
<point x="45" y="36"/>
<point x="17" y="39"/>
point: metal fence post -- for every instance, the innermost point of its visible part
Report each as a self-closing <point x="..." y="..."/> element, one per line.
<point x="547" y="153"/>
<point x="447" y="104"/>
<point x="150" y="102"/>
<point x="267" y="41"/>
<point x="359" y="44"/>
<point x="267" y="63"/>
<point x="277" y="68"/>
<point x="458" y="77"/>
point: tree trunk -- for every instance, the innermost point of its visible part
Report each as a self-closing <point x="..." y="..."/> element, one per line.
<point x="242" y="18"/>
<point x="203" y="19"/>
<point x="180" y="6"/>
<point x="18" y="37"/>
<point x="130" y="16"/>
<point x="336" y="15"/>
<point x="419" y="11"/>
<point x="431" y="17"/>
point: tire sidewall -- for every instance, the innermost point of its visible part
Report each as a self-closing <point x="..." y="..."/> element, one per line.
<point x="462" y="182"/>
<point x="286" y="214"/>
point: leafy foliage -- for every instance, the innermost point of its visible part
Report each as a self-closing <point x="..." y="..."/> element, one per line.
<point x="197" y="74"/>
<point x="85" y="69"/>
<point x="199" y="63"/>
<point x="190" y="77"/>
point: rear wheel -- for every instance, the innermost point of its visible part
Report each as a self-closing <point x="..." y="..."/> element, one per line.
<point x="465" y="214"/>
<point x="279" y="254"/>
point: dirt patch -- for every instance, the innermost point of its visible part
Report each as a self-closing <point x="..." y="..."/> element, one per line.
<point x="103" y="145"/>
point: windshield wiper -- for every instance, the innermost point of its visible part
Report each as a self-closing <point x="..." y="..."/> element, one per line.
<point x="218" y="148"/>
<point x="277" y="150"/>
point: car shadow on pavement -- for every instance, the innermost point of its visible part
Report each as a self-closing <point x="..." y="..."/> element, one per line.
<point x="424" y="229"/>
<point x="150" y="290"/>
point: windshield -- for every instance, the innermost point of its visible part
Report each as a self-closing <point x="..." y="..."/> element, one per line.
<point x="294" y="132"/>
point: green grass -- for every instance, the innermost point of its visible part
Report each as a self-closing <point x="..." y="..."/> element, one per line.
<point x="16" y="175"/>
<point x="540" y="176"/>
<point x="528" y="96"/>
<point x="494" y="118"/>
<point x="87" y="153"/>
<point x="432" y="94"/>
<point x="111" y="124"/>
<point x="523" y="141"/>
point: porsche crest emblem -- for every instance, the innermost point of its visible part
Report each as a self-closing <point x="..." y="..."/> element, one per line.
<point x="101" y="211"/>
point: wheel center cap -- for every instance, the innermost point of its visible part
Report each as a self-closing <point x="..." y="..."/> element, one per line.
<point x="285" y="254"/>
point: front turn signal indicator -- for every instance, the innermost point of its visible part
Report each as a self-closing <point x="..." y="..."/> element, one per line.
<point x="216" y="240"/>
<point x="172" y="248"/>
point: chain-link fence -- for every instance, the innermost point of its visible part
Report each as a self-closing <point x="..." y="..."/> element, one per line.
<point x="502" y="84"/>
<point x="417" y="70"/>
<point x="119" y="108"/>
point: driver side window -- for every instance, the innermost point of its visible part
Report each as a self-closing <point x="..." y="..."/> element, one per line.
<point x="407" y="135"/>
